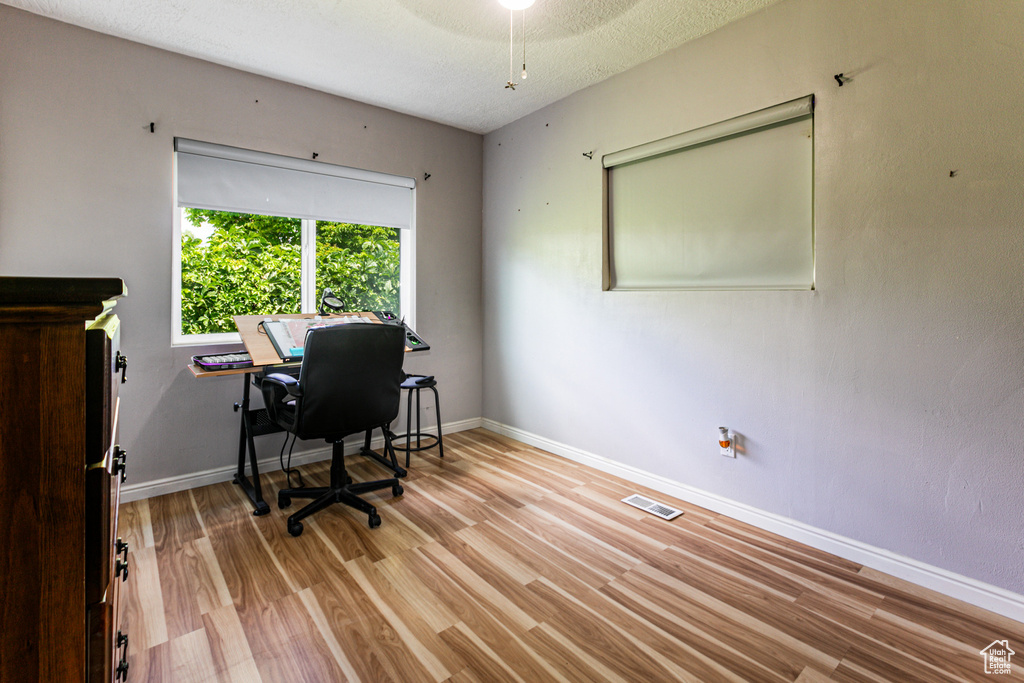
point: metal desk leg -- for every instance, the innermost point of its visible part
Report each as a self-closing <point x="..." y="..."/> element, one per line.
<point x="253" y="488"/>
<point x="391" y="464"/>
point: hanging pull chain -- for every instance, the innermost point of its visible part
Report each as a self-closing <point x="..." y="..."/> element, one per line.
<point x="511" y="85"/>
<point x="523" y="76"/>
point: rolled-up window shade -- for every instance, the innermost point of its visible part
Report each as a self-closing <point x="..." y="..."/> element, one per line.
<point x="716" y="131"/>
<point x="727" y="206"/>
<point x="225" y="178"/>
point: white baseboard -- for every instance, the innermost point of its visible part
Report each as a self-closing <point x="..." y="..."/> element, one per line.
<point x="184" y="482"/>
<point x="969" y="590"/>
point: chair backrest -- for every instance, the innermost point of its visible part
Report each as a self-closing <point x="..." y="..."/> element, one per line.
<point x="351" y="378"/>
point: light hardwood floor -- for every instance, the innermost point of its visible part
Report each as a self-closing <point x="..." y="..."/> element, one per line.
<point x="505" y="563"/>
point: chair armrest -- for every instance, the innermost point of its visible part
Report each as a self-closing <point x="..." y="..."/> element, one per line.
<point x="286" y="382"/>
<point x="279" y="389"/>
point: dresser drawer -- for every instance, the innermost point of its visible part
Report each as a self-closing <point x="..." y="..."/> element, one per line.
<point x="106" y="368"/>
<point x="105" y="571"/>
<point x="106" y="555"/>
<point x="100" y="649"/>
<point x="107" y="646"/>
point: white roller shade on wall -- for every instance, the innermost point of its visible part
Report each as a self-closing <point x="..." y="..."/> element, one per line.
<point x="231" y="179"/>
<point x="727" y="206"/>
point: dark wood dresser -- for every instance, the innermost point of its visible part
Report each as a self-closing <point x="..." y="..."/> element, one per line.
<point x="62" y="564"/>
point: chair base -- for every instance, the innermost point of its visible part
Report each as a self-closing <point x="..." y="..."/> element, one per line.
<point x="342" y="490"/>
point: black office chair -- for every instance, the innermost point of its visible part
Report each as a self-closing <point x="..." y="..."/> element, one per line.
<point x="349" y="382"/>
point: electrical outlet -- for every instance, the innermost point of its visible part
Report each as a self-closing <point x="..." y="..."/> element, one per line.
<point x="726" y="442"/>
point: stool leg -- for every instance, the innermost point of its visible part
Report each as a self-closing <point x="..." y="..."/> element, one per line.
<point x="408" y="427"/>
<point x="437" y="414"/>
<point x="419" y="430"/>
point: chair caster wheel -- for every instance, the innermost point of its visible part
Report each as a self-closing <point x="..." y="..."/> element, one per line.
<point x="397" y="490"/>
<point x="283" y="501"/>
<point x="374" y="520"/>
<point x="296" y="529"/>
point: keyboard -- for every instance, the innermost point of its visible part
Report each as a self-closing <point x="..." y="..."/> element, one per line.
<point x="223" y="361"/>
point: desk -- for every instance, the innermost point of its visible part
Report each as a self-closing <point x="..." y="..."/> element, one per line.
<point x="256" y="422"/>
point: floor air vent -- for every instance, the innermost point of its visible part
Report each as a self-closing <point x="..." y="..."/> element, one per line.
<point x="654" y="507"/>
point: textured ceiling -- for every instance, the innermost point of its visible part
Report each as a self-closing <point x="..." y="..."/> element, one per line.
<point x="443" y="60"/>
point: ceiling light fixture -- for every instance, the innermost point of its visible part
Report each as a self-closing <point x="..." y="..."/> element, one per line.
<point x="513" y="6"/>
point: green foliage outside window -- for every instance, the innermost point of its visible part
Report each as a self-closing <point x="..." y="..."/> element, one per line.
<point x="360" y="264"/>
<point x="251" y="265"/>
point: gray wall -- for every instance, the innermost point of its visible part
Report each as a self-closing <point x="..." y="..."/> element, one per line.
<point x="85" y="190"/>
<point x="886" y="405"/>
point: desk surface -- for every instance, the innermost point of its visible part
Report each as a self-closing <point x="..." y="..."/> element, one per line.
<point x="258" y="344"/>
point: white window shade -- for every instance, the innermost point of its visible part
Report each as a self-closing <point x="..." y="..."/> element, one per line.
<point x="727" y="206"/>
<point x="231" y="179"/>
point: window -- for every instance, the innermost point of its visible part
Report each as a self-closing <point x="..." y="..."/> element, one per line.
<point x="236" y="263"/>
<point x="262" y="234"/>
<point x="727" y="206"/>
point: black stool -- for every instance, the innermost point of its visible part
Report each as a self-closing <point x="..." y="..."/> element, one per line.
<point x="414" y="383"/>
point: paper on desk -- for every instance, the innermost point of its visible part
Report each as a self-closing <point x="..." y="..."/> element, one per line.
<point x="298" y="327"/>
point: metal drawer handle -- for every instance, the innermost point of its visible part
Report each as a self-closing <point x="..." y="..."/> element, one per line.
<point x="122" y="667"/>
<point x="120" y="462"/>
<point x="121" y="363"/>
